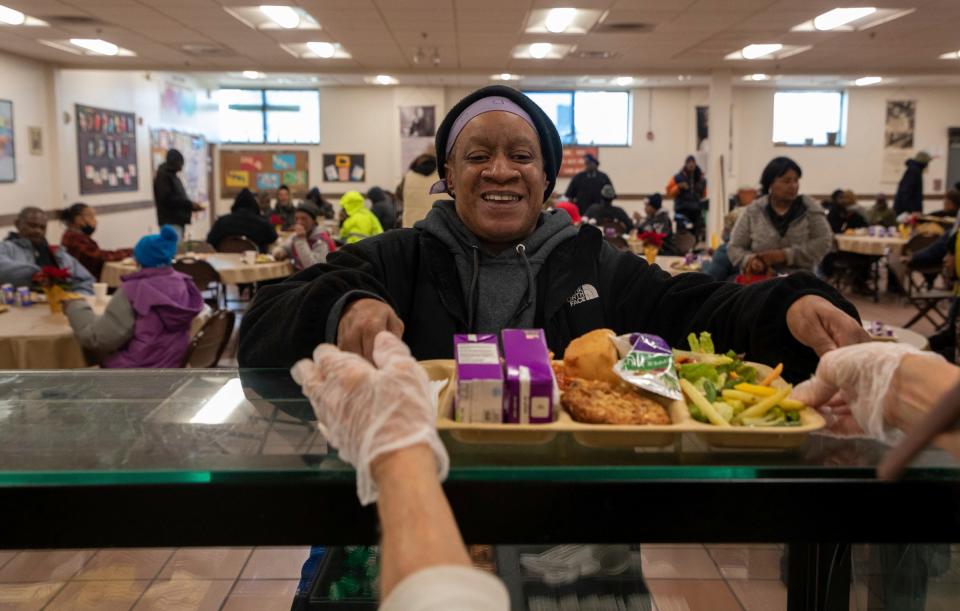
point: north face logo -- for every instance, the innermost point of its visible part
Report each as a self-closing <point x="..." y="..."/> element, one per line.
<point x="585" y="293"/>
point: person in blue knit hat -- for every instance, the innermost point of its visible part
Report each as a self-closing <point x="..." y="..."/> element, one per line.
<point x="147" y="321"/>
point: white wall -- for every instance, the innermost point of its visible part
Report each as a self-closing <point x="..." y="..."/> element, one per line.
<point x="857" y="165"/>
<point x="28" y="84"/>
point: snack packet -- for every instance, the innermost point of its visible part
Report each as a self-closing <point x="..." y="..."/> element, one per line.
<point x="646" y="362"/>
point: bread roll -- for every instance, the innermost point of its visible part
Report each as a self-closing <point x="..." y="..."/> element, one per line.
<point x="592" y="357"/>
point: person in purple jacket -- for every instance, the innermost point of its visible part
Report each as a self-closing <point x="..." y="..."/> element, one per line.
<point x="147" y="321"/>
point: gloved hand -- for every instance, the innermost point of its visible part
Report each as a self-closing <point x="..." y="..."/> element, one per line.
<point x="367" y="410"/>
<point x="855" y="388"/>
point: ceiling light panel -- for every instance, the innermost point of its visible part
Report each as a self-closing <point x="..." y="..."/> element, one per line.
<point x="316" y="50"/>
<point x="540" y="51"/>
<point x="580" y="21"/>
<point x="766" y="51"/>
<point x="273" y="17"/>
<point x="853" y="19"/>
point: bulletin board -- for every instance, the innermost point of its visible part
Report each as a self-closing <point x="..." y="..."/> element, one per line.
<point x="343" y="167"/>
<point x="106" y="150"/>
<point x="194" y="149"/>
<point x="260" y="170"/>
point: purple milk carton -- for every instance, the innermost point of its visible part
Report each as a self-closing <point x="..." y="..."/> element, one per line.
<point x="529" y="388"/>
<point x="479" y="396"/>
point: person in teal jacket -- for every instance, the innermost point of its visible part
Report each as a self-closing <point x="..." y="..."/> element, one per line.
<point x="360" y="222"/>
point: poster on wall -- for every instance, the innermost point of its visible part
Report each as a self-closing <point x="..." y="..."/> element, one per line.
<point x="898" y="138"/>
<point x="343" y="167"/>
<point x="177" y="102"/>
<point x="195" y="171"/>
<point x="8" y="161"/>
<point x="106" y="150"/>
<point x="573" y="159"/>
<point x="262" y="171"/>
<point x="418" y="126"/>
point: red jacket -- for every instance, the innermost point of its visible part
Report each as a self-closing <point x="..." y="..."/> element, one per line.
<point x="85" y="249"/>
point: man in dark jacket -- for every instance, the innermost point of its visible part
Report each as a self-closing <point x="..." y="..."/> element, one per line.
<point x="584" y="188"/>
<point x="244" y="220"/>
<point x="491" y="259"/>
<point x="173" y="205"/>
<point x="382" y="207"/>
<point x="909" y="196"/>
<point x="606" y="211"/>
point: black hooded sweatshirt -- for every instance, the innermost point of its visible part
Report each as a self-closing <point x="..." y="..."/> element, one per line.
<point x="173" y="205"/>
<point x="584" y="284"/>
<point x="244" y="220"/>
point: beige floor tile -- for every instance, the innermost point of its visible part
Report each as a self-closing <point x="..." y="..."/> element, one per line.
<point x="185" y="595"/>
<point x="27" y="596"/>
<point x="6" y="557"/>
<point x="124" y="564"/>
<point x="206" y="563"/>
<point x="674" y="563"/>
<point x="98" y="596"/>
<point x="36" y="565"/>
<point x="275" y="563"/>
<point x="261" y="595"/>
<point x="758" y="595"/>
<point x="692" y="595"/>
<point x="747" y="562"/>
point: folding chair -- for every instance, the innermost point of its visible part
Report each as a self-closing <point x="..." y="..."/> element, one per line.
<point x="203" y="276"/>
<point x="208" y="344"/>
<point x="236" y="244"/>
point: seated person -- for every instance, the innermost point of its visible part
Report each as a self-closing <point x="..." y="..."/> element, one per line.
<point x="845" y="215"/>
<point x="284" y="208"/>
<point x="657" y="219"/>
<point x="789" y="231"/>
<point x="605" y="210"/>
<point x="81" y="222"/>
<point x="147" y="321"/>
<point x="26" y="250"/>
<point x="881" y="213"/>
<point x="951" y="204"/>
<point x="359" y="223"/>
<point x="243" y="220"/>
<point x="325" y="207"/>
<point x="383" y="207"/>
<point x="490" y="259"/>
<point x="309" y="244"/>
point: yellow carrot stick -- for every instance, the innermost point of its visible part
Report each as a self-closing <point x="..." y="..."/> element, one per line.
<point x="773" y="375"/>
<point x="755" y="389"/>
<point x="700" y="401"/>
<point x="740" y="396"/>
<point x="760" y="409"/>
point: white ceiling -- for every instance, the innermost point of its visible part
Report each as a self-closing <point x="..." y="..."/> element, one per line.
<point x="475" y="38"/>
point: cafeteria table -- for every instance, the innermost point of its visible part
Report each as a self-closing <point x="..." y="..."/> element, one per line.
<point x="229" y="266"/>
<point x="231" y="457"/>
<point x="35" y="338"/>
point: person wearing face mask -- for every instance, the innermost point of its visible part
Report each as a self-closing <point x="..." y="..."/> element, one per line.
<point x="491" y="258"/>
<point x="787" y="230"/>
<point x="25" y="251"/>
<point x="81" y="222"/>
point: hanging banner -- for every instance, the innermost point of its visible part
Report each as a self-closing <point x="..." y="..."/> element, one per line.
<point x="898" y="138"/>
<point x="418" y="126"/>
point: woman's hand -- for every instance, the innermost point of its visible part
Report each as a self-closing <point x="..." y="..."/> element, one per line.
<point x="773" y="257"/>
<point x="818" y="324"/>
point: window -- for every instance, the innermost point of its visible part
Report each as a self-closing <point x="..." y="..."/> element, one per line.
<point x="809" y="118"/>
<point x="267" y="116"/>
<point x="599" y="118"/>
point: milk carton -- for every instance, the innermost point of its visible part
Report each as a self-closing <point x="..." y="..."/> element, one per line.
<point x="529" y="387"/>
<point x="479" y="379"/>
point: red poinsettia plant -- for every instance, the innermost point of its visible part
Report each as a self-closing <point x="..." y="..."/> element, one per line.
<point x="275" y="219"/>
<point x="50" y="276"/>
<point x="651" y="238"/>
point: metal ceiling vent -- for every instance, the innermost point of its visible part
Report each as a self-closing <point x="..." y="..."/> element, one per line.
<point x="595" y="54"/>
<point x="74" y="20"/>
<point x="204" y="50"/>
<point x="623" y="21"/>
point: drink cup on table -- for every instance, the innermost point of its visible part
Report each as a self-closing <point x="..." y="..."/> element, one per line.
<point x="249" y="257"/>
<point x="100" y="292"/>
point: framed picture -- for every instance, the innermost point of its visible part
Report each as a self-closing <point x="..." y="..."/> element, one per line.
<point x="35" y="139"/>
<point x="8" y="160"/>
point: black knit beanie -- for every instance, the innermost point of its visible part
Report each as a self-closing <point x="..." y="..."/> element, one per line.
<point x="550" y="146"/>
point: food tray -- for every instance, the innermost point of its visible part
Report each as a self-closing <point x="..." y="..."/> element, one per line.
<point x="615" y="435"/>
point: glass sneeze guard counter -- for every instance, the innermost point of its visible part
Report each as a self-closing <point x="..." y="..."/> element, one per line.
<point x="214" y="457"/>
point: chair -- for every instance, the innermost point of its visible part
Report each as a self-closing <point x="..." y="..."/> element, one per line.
<point x="236" y="244"/>
<point x="618" y="242"/>
<point x="921" y="292"/>
<point x="684" y="242"/>
<point x="203" y="276"/>
<point x="208" y="344"/>
<point x="612" y="228"/>
<point x="195" y="246"/>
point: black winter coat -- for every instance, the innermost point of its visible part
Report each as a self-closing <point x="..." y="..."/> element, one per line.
<point x="243" y="223"/>
<point x="909" y="196"/>
<point x="173" y="205"/>
<point x="585" y="284"/>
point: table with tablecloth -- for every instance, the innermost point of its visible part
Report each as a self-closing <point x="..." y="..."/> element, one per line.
<point x="35" y="338"/>
<point x="229" y="266"/>
<point x="870" y="245"/>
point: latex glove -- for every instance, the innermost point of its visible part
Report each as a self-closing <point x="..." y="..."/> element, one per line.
<point x="853" y="387"/>
<point x="817" y="323"/>
<point x="366" y="411"/>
